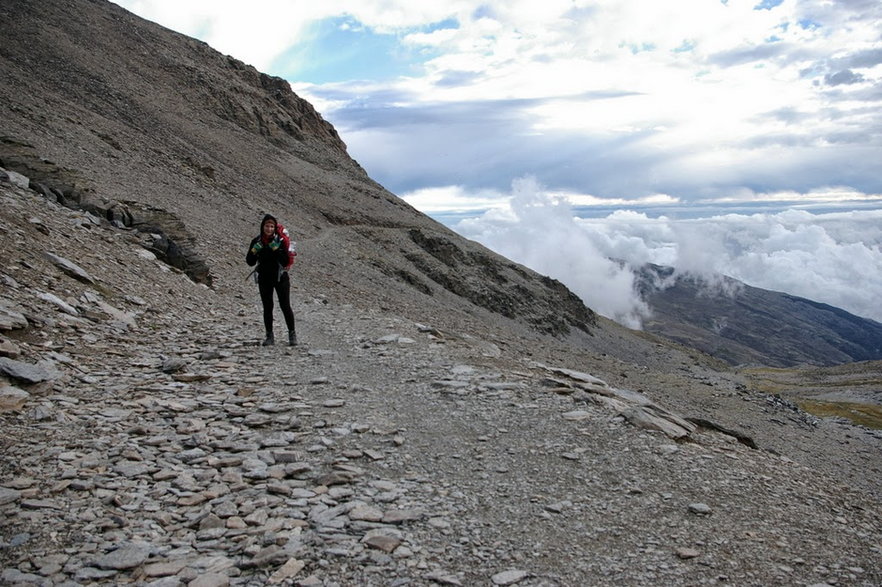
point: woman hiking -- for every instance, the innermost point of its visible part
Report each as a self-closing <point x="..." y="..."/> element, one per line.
<point x="269" y="251"/>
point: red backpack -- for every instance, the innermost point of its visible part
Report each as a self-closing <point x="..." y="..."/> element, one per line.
<point x="287" y="244"/>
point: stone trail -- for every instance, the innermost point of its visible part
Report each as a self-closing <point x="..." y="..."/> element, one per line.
<point x="233" y="464"/>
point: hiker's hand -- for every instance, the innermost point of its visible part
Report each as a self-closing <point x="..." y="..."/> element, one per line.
<point x="275" y="244"/>
<point x="256" y="248"/>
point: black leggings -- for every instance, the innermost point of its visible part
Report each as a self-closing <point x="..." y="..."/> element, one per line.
<point x="283" y="291"/>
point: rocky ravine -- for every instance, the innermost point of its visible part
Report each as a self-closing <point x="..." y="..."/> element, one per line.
<point x="148" y="440"/>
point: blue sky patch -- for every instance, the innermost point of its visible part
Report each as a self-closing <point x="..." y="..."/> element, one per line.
<point x="450" y="23"/>
<point x="685" y="47"/>
<point x="768" y="4"/>
<point x="342" y="49"/>
<point x="809" y="25"/>
<point x="638" y="48"/>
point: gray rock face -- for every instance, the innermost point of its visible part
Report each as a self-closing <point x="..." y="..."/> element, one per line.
<point x="8" y="495"/>
<point x="70" y="268"/>
<point x="15" y="178"/>
<point x="126" y="556"/>
<point x="27" y="372"/>
<point x="12" y="398"/>
<point x="10" y="319"/>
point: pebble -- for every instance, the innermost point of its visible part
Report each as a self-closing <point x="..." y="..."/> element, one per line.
<point x="699" y="508"/>
<point x="687" y="553"/>
<point x="509" y="577"/>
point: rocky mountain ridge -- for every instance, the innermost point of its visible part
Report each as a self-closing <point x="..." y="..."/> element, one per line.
<point x="449" y="418"/>
<point x="745" y="325"/>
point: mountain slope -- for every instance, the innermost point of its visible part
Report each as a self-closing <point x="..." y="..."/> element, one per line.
<point x="741" y="324"/>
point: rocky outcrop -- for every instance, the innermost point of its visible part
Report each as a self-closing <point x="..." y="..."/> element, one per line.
<point x="501" y="287"/>
<point x="265" y="104"/>
<point x="635" y="407"/>
<point x="163" y="233"/>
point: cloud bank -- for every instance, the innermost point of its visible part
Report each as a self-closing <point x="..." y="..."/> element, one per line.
<point x="835" y="258"/>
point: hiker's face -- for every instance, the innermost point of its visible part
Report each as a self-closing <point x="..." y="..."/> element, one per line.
<point x="269" y="227"/>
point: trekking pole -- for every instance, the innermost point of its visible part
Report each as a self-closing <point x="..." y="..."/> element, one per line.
<point x="250" y="274"/>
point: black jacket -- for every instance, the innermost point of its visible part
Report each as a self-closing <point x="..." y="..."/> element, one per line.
<point x="269" y="262"/>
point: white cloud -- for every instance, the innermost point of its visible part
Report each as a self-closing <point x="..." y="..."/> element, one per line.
<point x="832" y="258"/>
<point x="454" y="199"/>
<point x="255" y="32"/>
<point x="589" y="200"/>
<point x="543" y="235"/>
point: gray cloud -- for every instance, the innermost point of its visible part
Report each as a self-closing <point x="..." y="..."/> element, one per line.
<point x="458" y="78"/>
<point x="838" y="71"/>
<point x="378" y="112"/>
<point x="485" y="144"/>
<point x="480" y="143"/>
<point x="788" y="115"/>
<point x="846" y="76"/>
<point x="863" y="93"/>
<point x="744" y="55"/>
<point x="871" y="94"/>
<point x="866" y="58"/>
<point x="864" y="8"/>
<point x="780" y="139"/>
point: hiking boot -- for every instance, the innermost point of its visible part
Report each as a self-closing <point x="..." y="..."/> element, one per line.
<point x="269" y="340"/>
<point x="292" y="338"/>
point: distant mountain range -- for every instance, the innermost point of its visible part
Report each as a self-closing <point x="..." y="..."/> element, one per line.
<point x="741" y="324"/>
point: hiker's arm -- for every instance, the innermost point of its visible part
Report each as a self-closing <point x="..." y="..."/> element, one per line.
<point x="253" y="249"/>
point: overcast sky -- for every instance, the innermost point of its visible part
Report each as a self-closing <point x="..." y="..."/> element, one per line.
<point x="731" y="136"/>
